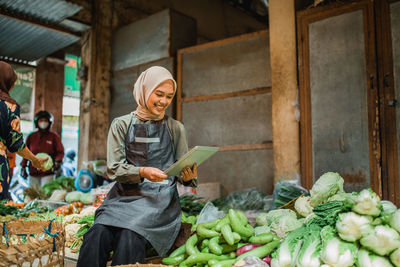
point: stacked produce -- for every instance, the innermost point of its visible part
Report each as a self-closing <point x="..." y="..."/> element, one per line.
<point x="334" y="228"/>
<point x="223" y="242"/>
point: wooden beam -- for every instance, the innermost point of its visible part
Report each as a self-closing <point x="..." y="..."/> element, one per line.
<point x="255" y="91"/>
<point x="95" y="89"/>
<point x="224" y="41"/>
<point x="285" y="124"/>
<point x="267" y="145"/>
<point x="54" y="28"/>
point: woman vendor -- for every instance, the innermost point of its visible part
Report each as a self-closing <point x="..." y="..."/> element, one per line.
<point x="142" y="208"/>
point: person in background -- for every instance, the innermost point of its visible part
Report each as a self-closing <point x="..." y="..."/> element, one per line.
<point x="11" y="138"/>
<point x="142" y="208"/>
<point x="46" y="141"/>
<point x="68" y="165"/>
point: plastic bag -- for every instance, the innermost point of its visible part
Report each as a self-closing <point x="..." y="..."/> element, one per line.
<point x="285" y="191"/>
<point x="209" y="213"/>
<point x="251" y="261"/>
<point x="247" y="199"/>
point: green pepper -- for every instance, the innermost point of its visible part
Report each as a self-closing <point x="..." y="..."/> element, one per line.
<point x="201" y="258"/>
<point x="173" y="260"/>
<point x="236" y="237"/>
<point x="214" y="246"/>
<point x="226" y="232"/>
<point x="205" y="243"/>
<point x="244" y="230"/>
<point x="226" y="248"/>
<point x="225" y="263"/>
<point x="262" y="251"/>
<point x="191" y="245"/>
<point x="262" y="238"/>
<point x="203" y="232"/>
<point x="242" y="217"/>
<point x="222" y="222"/>
<point x="179" y="251"/>
<point x="205" y="250"/>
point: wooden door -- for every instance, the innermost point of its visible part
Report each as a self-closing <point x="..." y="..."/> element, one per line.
<point x="338" y="95"/>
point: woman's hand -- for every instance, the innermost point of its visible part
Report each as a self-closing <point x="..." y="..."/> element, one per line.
<point x="188" y="174"/>
<point x="38" y="163"/>
<point x="152" y="174"/>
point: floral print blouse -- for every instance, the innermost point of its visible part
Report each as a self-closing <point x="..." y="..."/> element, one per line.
<point x="11" y="138"/>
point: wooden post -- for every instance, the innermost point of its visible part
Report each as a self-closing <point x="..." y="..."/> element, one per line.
<point x="95" y="92"/>
<point x="285" y="112"/>
<point x="49" y="89"/>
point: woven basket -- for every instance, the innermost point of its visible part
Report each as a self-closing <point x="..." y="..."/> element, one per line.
<point x="28" y="243"/>
<point x="290" y="204"/>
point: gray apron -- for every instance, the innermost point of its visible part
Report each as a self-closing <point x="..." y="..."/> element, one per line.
<point x="147" y="208"/>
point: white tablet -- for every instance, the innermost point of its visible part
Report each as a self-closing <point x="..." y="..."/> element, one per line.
<point x="197" y="155"/>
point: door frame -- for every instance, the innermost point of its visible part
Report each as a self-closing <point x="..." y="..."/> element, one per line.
<point x="304" y="18"/>
<point x="390" y="174"/>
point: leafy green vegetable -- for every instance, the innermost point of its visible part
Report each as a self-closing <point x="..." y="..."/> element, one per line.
<point x="395" y="257"/>
<point x="286" y="254"/>
<point x="48" y="164"/>
<point x="191" y="204"/>
<point x="310" y="249"/>
<point x="382" y="240"/>
<point x="327" y="185"/>
<point x="303" y="206"/>
<point x="336" y="252"/>
<point x="352" y="226"/>
<point x="394" y="221"/>
<point x="73" y="196"/>
<point x="368" y="259"/>
<point x="282" y="221"/>
<point x="367" y="203"/>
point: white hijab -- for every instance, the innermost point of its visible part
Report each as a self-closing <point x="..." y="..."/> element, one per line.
<point x="146" y="83"/>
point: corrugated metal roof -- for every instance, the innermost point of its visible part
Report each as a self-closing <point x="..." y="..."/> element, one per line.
<point x="29" y="42"/>
<point x="23" y="40"/>
<point x="50" y="11"/>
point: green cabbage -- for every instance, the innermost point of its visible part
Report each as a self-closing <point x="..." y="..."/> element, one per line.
<point x="367" y="203"/>
<point x="282" y="221"/>
<point x="326" y="186"/>
<point x="395" y="221"/>
<point x="310" y="248"/>
<point x="336" y="252"/>
<point x="382" y="240"/>
<point x="303" y="206"/>
<point x="73" y="196"/>
<point x="395" y="257"/>
<point x="48" y="164"/>
<point x="351" y="226"/>
<point x="368" y="259"/>
<point x="286" y="254"/>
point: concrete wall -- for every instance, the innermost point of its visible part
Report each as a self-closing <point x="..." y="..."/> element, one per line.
<point x="224" y="67"/>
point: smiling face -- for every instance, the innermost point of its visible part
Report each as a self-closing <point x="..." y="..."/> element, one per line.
<point x="161" y="98"/>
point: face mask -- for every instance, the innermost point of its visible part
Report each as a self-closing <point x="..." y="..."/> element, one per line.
<point x="43" y="125"/>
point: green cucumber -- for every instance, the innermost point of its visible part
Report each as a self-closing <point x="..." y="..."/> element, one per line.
<point x="221" y="223"/>
<point x="226" y="232"/>
<point x="214" y="246"/>
<point x="191" y="245"/>
<point x="262" y="251"/>
<point x="201" y="258"/>
<point x="225" y="263"/>
<point x="262" y="238"/>
<point x="237" y="225"/>
<point x="179" y="251"/>
<point x="175" y="261"/>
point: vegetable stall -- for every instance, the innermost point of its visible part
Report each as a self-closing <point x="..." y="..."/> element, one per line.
<point x="325" y="227"/>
